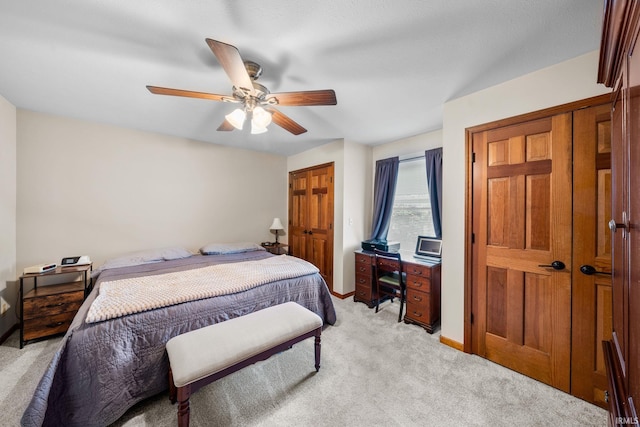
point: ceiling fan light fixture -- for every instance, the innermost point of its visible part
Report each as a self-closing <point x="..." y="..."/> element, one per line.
<point x="260" y="117"/>
<point x="256" y="129"/>
<point x="236" y="118"/>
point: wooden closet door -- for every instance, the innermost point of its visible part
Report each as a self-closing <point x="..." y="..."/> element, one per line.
<point x="522" y="220"/>
<point x="311" y="217"/>
<point x="591" y="294"/>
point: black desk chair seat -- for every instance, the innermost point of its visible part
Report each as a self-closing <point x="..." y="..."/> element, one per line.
<point x="391" y="281"/>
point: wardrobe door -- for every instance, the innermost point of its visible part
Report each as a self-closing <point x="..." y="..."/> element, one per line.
<point x="632" y="190"/>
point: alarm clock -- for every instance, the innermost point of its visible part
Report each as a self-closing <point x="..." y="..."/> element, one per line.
<point x="75" y="260"/>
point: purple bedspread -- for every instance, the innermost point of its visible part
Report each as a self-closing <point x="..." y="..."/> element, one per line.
<point x="102" y="369"/>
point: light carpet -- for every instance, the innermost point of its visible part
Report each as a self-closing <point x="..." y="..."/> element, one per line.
<point x="375" y="372"/>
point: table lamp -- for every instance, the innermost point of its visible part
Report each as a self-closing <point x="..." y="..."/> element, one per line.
<point x="277" y="226"/>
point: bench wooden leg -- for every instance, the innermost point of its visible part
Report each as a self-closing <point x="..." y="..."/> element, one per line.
<point x="317" y="346"/>
<point x="183" y="394"/>
<point x="172" y="387"/>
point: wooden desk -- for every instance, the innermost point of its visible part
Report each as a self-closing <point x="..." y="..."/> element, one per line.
<point x="423" y="287"/>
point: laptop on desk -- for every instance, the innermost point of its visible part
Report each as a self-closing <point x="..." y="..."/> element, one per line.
<point x="428" y="248"/>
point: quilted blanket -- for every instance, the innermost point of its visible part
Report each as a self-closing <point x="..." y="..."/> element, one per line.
<point x="102" y="369"/>
<point x="137" y="294"/>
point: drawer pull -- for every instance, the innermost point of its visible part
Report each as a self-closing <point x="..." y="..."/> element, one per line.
<point x="363" y="269"/>
<point x="416" y="314"/>
<point x="417" y="284"/>
<point x="54" y="305"/>
<point x="362" y="281"/>
<point x="53" y="325"/>
<point x="415" y="298"/>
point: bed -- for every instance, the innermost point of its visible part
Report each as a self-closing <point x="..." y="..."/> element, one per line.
<point x="103" y="368"/>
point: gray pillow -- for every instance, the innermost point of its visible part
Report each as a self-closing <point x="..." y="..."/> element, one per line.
<point x="146" y="257"/>
<point x="229" y="248"/>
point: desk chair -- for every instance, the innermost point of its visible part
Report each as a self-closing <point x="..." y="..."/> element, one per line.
<point x="390" y="280"/>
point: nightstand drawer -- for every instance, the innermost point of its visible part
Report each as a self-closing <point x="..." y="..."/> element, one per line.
<point x="418" y="283"/>
<point x="52" y="304"/>
<point x="417" y="270"/>
<point x="47" y="325"/>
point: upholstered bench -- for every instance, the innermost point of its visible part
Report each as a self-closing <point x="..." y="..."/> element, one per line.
<point x="204" y="355"/>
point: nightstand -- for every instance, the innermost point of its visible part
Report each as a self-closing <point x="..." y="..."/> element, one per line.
<point x="276" y="248"/>
<point x="48" y="310"/>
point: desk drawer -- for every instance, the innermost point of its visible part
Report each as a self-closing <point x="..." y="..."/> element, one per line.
<point x="52" y="304"/>
<point x="418" y="283"/>
<point x="417" y="270"/>
<point x="364" y="270"/>
<point x="364" y="292"/>
<point x="362" y="259"/>
<point x="363" y="280"/>
<point x="418" y="311"/>
<point x="420" y="299"/>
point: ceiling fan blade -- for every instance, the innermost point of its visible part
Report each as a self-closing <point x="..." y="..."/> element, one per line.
<point x="188" y="93"/>
<point x="311" y="97"/>
<point x="230" y="59"/>
<point x="285" y="122"/>
<point x="226" y="126"/>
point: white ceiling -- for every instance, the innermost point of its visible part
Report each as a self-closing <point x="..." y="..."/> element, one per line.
<point x="392" y="63"/>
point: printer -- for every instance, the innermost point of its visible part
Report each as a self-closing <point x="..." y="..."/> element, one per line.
<point x="382" y="245"/>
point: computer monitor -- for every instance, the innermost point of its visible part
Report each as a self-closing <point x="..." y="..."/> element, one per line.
<point x="428" y="247"/>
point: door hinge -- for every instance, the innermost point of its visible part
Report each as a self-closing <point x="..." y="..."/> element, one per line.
<point x="473" y="157"/>
<point x="473" y="237"/>
<point x="471" y="318"/>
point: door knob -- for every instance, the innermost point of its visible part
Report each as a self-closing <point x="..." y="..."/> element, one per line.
<point x="613" y="225"/>
<point x="556" y="265"/>
<point x="590" y="270"/>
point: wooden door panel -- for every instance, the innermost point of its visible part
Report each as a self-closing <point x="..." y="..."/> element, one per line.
<point x="521" y="218"/>
<point x="538" y="212"/>
<point x="498" y="211"/>
<point x="497" y="301"/>
<point x="538" y="303"/>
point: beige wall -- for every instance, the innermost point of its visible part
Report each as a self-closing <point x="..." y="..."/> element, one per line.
<point x="407" y="147"/>
<point x="559" y="84"/>
<point x="90" y="189"/>
<point x="8" y="288"/>
<point x="351" y="201"/>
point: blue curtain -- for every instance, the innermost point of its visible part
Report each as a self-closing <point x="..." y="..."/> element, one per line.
<point x="433" y="160"/>
<point x="383" y="193"/>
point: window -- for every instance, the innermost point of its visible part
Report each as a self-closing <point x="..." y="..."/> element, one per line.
<point x="411" y="215"/>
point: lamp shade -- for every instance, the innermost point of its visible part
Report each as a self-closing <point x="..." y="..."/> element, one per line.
<point x="236" y="118"/>
<point x="261" y="118"/>
<point x="276" y="225"/>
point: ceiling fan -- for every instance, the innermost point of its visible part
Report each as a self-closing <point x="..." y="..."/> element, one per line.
<point x="255" y="99"/>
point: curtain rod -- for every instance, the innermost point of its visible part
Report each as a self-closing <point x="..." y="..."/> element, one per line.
<point x="411" y="158"/>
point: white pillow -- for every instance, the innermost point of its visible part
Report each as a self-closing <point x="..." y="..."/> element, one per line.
<point x="146" y="257"/>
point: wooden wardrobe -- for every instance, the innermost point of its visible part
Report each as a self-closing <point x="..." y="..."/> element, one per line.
<point x="619" y="69"/>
